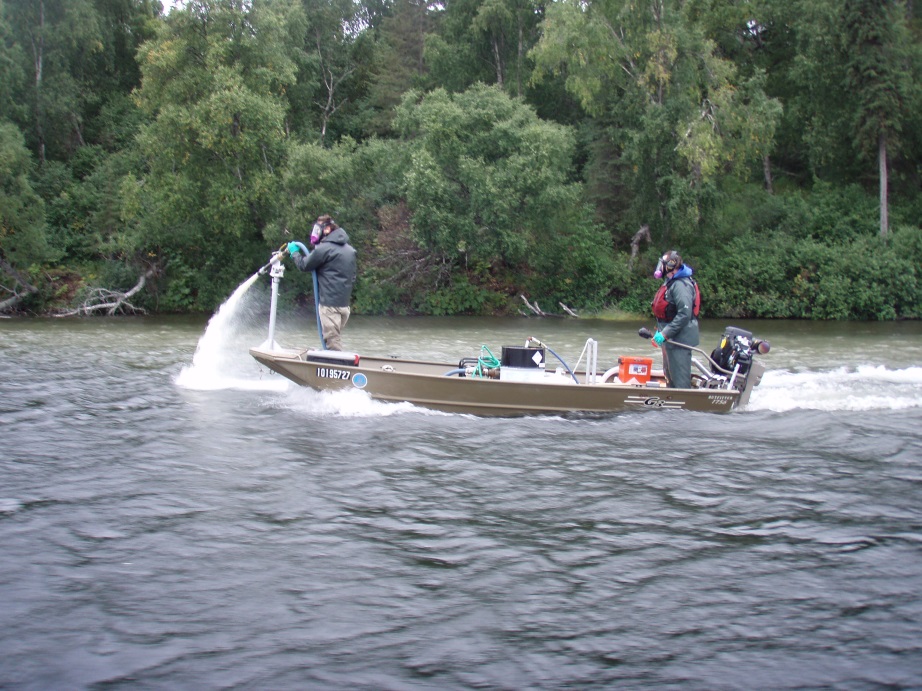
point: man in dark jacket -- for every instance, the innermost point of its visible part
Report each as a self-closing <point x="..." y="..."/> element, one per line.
<point x="333" y="259"/>
<point x="676" y="311"/>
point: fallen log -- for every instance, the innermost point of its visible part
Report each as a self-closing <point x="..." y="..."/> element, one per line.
<point x="536" y="309"/>
<point x="111" y="302"/>
<point x="533" y="307"/>
<point x="568" y="310"/>
<point x="18" y="295"/>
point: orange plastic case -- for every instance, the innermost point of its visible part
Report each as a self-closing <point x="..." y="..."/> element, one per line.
<point x="636" y="368"/>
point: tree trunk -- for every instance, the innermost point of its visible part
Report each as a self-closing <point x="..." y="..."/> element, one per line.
<point x="332" y="83"/>
<point x="78" y="130"/>
<point x="767" y="173"/>
<point x="497" y="55"/>
<point x="17" y="297"/>
<point x="642" y="234"/>
<point x="38" y="57"/>
<point x="10" y="303"/>
<point x="882" y="162"/>
<point x="521" y="55"/>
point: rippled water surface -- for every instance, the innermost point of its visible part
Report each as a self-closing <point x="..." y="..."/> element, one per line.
<point x="179" y="520"/>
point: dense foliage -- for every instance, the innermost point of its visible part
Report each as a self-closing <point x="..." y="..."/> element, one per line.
<point x="476" y="151"/>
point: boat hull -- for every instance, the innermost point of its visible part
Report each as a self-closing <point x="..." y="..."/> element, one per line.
<point x="429" y="385"/>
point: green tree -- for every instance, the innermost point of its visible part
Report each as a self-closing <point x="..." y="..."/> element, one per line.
<point x="57" y="40"/>
<point x="11" y="70"/>
<point x="214" y="88"/>
<point x="315" y="181"/>
<point x="326" y="44"/>
<point x="848" y="74"/>
<point x="878" y="79"/>
<point x="678" y="114"/>
<point x="75" y="68"/>
<point x="23" y="240"/>
<point x="489" y="189"/>
<point x="484" y="41"/>
<point x="73" y="56"/>
<point x="397" y="64"/>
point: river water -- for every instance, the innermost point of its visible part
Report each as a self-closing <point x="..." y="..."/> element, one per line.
<point x="181" y="518"/>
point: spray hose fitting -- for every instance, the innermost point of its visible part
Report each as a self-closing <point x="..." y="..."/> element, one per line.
<point x="277" y="256"/>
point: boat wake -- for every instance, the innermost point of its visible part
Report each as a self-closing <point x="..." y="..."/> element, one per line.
<point x="198" y="380"/>
<point x="865" y="387"/>
<point x="346" y="403"/>
<point x="221" y="361"/>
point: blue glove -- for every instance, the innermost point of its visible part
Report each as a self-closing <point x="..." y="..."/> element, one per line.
<point x="293" y="248"/>
<point x="658" y="338"/>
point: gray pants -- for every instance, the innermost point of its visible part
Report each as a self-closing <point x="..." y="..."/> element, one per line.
<point x="677" y="366"/>
<point x="332" y="322"/>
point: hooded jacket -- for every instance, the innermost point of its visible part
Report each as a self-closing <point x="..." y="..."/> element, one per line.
<point x="334" y="261"/>
<point x="680" y="291"/>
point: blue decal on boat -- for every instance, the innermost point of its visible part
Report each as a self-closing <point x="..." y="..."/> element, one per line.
<point x="359" y="380"/>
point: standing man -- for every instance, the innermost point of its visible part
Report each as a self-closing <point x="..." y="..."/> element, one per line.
<point x="676" y="308"/>
<point x="333" y="259"/>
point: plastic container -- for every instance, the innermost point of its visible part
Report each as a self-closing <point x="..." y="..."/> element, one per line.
<point x="635" y="370"/>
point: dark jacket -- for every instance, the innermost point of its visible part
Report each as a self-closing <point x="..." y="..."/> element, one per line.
<point x="680" y="291"/>
<point x="334" y="261"/>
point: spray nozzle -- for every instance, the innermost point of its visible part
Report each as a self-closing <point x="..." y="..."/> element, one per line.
<point x="277" y="256"/>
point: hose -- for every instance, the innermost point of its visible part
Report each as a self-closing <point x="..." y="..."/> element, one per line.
<point x="323" y="344"/>
<point x="565" y="365"/>
<point x="489" y="362"/>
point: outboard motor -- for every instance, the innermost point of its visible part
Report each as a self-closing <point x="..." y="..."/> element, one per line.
<point x="737" y="346"/>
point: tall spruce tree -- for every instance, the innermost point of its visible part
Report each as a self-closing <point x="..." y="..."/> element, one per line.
<point x="397" y="64"/>
<point x="874" y="37"/>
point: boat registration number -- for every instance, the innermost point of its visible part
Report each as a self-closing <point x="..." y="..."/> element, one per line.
<point x="331" y="373"/>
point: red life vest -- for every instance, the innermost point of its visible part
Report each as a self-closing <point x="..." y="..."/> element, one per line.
<point x="666" y="311"/>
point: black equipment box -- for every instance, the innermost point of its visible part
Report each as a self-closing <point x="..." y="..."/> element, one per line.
<point x="523" y="357"/>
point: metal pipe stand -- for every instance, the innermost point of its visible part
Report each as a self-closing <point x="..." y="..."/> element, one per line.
<point x="276" y="272"/>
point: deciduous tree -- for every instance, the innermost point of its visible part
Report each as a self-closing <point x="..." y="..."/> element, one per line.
<point x="678" y="114"/>
<point x="23" y="241"/>
<point x="487" y="176"/>
<point x="214" y="87"/>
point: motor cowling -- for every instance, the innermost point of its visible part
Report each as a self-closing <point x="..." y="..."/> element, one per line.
<point x="735" y="349"/>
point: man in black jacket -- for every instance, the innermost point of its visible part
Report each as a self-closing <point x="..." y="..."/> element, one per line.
<point x="333" y="259"/>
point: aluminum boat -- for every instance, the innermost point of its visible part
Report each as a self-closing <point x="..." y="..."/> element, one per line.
<point x="523" y="382"/>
